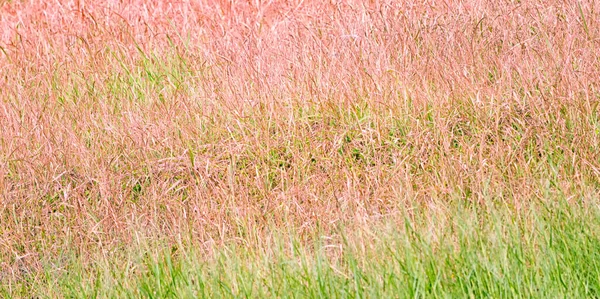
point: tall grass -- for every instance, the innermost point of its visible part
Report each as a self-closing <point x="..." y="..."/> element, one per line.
<point x="139" y="126"/>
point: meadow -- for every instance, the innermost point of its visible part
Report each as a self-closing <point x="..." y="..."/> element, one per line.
<point x="344" y="149"/>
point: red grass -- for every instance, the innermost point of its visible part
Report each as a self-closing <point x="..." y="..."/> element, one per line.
<point x="222" y="119"/>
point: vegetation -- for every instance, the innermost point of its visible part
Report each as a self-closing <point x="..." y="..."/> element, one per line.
<point x="299" y="149"/>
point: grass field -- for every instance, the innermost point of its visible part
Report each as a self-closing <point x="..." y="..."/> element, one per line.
<point x="299" y="149"/>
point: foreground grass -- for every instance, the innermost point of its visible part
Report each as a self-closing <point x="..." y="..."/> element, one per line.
<point x="545" y="250"/>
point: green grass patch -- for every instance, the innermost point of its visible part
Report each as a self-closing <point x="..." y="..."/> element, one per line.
<point x="472" y="250"/>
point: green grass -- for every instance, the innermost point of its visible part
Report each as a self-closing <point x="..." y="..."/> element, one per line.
<point x="491" y="250"/>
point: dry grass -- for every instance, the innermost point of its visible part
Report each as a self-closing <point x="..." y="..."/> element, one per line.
<point x="220" y="121"/>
